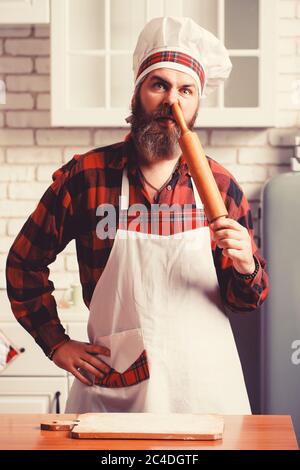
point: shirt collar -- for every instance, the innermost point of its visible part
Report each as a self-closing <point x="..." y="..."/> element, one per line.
<point x="127" y="156"/>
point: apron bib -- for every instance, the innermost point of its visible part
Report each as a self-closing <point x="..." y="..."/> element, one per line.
<point x="159" y="297"/>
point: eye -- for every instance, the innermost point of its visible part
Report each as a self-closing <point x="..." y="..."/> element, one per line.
<point x="158" y="84"/>
<point x="188" y="90"/>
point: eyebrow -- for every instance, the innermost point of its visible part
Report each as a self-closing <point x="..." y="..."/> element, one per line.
<point x="157" y="77"/>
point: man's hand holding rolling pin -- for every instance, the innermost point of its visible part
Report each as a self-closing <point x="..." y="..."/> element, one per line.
<point x="228" y="234"/>
<point x="235" y="241"/>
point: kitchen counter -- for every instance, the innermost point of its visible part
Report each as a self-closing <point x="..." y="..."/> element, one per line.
<point x="22" y="431"/>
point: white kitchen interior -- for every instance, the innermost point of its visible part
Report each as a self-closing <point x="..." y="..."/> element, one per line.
<point x="66" y="82"/>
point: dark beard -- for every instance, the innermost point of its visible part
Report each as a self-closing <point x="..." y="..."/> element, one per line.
<point x="153" y="142"/>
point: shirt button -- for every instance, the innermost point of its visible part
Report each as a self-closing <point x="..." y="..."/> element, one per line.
<point x="169" y="187"/>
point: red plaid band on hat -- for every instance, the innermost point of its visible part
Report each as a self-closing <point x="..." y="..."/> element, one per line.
<point x="178" y="58"/>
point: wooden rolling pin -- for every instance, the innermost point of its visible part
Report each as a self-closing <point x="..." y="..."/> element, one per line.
<point x="200" y="170"/>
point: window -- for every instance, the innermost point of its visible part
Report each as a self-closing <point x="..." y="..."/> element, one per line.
<point x="93" y="43"/>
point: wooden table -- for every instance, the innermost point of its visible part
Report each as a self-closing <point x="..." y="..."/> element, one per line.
<point x="22" y="431"/>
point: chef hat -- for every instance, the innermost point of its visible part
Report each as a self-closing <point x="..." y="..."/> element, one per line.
<point x="181" y="44"/>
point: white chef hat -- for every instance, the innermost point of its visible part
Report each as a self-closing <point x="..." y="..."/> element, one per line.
<point x="181" y="44"/>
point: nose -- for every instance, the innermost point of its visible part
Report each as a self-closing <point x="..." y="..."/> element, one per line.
<point x="170" y="97"/>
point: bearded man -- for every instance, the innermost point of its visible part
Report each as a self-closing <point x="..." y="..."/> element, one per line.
<point x="159" y="337"/>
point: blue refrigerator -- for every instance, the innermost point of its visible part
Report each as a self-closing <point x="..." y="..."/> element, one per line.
<point x="280" y="316"/>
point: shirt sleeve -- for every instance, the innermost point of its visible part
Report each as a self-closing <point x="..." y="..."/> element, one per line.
<point x="45" y="234"/>
<point x="238" y="294"/>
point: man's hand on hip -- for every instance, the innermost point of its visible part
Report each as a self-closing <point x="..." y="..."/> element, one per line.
<point x="73" y="355"/>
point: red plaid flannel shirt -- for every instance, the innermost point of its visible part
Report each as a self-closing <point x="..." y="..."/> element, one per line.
<point x="67" y="211"/>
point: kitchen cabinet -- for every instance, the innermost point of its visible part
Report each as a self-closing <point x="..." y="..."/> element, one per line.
<point x="91" y="59"/>
<point x="24" y="11"/>
<point x="33" y="394"/>
<point x="32" y="362"/>
<point x="31" y="383"/>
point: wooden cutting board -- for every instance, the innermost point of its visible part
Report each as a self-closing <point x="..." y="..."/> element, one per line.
<point x="141" y="426"/>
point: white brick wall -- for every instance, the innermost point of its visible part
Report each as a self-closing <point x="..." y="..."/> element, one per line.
<point x="23" y="191"/>
<point x="11" y="32"/>
<point x="289" y="27"/>
<point x="3" y="190"/>
<point x="43" y="101"/>
<point x="2" y="227"/>
<point x="17" y="173"/>
<point x="14" y="226"/>
<point x="11" y="208"/>
<point x="44" y="172"/>
<point x="5" y="244"/>
<point x="287" y="9"/>
<point x="10" y="137"/>
<point x="287" y="47"/>
<point x="69" y="152"/>
<point x="42" y="65"/>
<point x="25" y="119"/>
<point x="41" y="31"/>
<point x="61" y="137"/>
<point x="36" y="155"/>
<point x="16" y="65"/>
<point x="248" y="173"/>
<point x="30" y="150"/>
<point x="18" y="101"/>
<point x="223" y="155"/>
<point x="263" y="156"/>
<point x="33" y="47"/>
<point x="29" y="83"/>
<point x="239" y="137"/>
<point x="102" y="137"/>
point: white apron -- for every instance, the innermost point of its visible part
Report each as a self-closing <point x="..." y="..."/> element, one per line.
<point x="161" y="294"/>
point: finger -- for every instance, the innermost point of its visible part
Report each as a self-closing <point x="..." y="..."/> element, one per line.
<point x="227" y="233"/>
<point x="93" y="370"/>
<point x="230" y="243"/>
<point x="222" y="223"/>
<point x="97" y="349"/>
<point x="98" y="364"/>
<point x="80" y="377"/>
<point x="232" y="253"/>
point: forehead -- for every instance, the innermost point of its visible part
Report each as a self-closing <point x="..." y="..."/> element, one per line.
<point x="172" y="76"/>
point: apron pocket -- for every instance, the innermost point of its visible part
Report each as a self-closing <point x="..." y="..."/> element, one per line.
<point x="135" y="374"/>
<point x="128" y="360"/>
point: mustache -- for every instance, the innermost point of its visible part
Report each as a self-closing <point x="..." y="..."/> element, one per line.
<point x="140" y="119"/>
<point x="149" y="120"/>
<point x="164" y="115"/>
